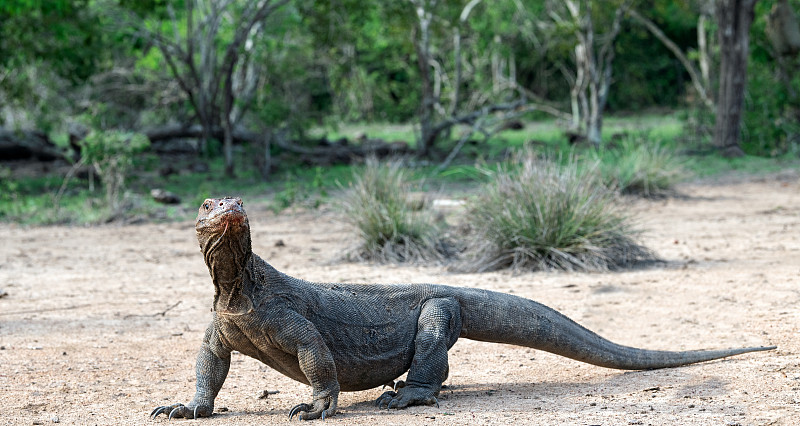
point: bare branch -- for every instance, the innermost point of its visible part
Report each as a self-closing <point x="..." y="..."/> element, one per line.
<point x="697" y="81"/>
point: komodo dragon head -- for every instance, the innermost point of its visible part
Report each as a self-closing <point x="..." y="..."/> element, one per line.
<point x="224" y="236"/>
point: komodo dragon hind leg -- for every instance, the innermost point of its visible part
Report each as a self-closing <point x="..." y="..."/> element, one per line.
<point x="438" y="328"/>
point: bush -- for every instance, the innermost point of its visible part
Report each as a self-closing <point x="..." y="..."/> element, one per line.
<point x="111" y="153"/>
<point x="391" y="226"/>
<point x="641" y="168"/>
<point x="547" y="215"/>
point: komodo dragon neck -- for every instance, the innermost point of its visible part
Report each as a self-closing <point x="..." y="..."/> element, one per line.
<point x="224" y="237"/>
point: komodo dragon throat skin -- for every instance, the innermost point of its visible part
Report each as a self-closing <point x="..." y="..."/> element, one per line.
<point x="350" y="337"/>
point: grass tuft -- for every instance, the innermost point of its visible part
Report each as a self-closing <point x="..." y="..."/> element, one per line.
<point x="392" y="225"/>
<point x="640" y="168"/>
<point x="540" y="214"/>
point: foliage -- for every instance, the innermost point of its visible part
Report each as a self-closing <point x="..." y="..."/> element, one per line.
<point x="367" y="55"/>
<point x="111" y="152"/>
<point x="31" y="200"/>
<point x="296" y="190"/>
<point x="538" y="214"/>
<point x="637" y="166"/>
<point x="772" y="104"/>
<point x="391" y="225"/>
<point x="60" y="33"/>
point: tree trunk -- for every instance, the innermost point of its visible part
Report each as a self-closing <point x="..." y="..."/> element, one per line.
<point x="264" y="161"/>
<point x="734" y="18"/>
<point x="426" y="114"/>
<point x="578" y="91"/>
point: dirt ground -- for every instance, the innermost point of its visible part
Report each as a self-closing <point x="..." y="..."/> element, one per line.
<point x="102" y="324"/>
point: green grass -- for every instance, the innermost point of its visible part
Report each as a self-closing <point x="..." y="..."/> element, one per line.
<point x="715" y="166"/>
<point x="352" y="131"/>
<point x="390" y="224"/>
<point x="540" y="214"/>
<point x="30" y="200"/>
<point x="641" y="167"/>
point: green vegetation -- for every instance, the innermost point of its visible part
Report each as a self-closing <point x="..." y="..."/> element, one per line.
<point x="549" y="215"/>
<point x="111" y="153"/>
<point x="269" y="99"/>
<point x="641" y="167"/>
<point x="35" y="200"/>
<point x="392" y="225"/>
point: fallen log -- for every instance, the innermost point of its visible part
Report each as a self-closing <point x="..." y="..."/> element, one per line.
<point x="26" y="144"/>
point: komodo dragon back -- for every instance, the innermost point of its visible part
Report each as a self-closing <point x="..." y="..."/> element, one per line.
<point x="347" y="337"/>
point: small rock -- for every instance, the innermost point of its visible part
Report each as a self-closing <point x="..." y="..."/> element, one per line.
<point x="280" y="243"/>
<point x="164" y="197"/>
<point x="3" y="293"/>
<point x="54" y="419"/>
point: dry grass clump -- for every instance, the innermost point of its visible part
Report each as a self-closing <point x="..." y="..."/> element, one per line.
<point x="392" y="226"/>
<point x="546" y="215"/>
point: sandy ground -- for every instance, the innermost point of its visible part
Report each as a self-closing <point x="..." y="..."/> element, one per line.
<point x="100" y="325"/>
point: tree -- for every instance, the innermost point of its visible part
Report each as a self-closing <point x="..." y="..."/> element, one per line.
<point x="590" y="74"/>
<point x="734" y="18"/>
<point x="700" y="79"/>
<point x="594" y="60"/>
<point x="213" y="79"/>
<point x="422" y="44"/>
<point x="493" y="96"/>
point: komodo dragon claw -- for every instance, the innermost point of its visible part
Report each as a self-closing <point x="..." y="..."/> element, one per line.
<point x="173" y="412"/>
<point x="180" y="410"/>
<point x="298" y="408"/>
<point x="157" y="411"/>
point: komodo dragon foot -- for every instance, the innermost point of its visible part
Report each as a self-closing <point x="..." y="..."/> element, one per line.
<point x="180" y="410"/>
<point x="407" y="396"/>
<point x="323" y="406"/>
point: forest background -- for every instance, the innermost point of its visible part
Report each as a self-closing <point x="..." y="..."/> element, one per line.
<point x="268" y="96"/>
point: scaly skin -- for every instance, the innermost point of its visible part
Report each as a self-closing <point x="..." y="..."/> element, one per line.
<point x="350" y="337"/>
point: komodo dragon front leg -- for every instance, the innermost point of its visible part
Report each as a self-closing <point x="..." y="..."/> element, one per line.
<point x="438" y="328"/>
<point x="289" y="334"/>
<point x="298" y="336"/>
<point x="212" y="366"/>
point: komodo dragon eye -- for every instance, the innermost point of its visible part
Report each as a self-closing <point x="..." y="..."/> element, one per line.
<point x="206" y="205"/>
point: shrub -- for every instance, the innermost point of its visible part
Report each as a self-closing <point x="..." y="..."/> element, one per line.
<point x="391" y="226"/>
<point x="641" y="168"/>
<point x="111" y="152"/>
<point x="545" y="215"/>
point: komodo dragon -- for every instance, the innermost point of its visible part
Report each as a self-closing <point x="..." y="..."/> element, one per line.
<point x="347" y="337"/>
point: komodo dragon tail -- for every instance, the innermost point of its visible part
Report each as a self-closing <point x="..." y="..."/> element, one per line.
<point x="502" y="318"/>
